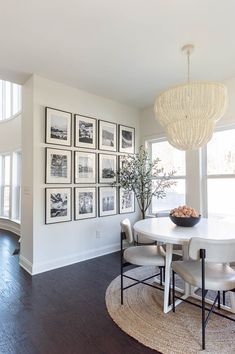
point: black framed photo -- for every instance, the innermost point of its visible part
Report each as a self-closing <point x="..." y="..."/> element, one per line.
<point x="85" y="131"/>
<point x="58" y="166"/>
<point x="107" y="201"/>
<point x="126" y="139"/>
<point x="58" y="127"/>
<point x="107" y="136"/>
<point x="58" y="205"/>
<point x="107" y="168"/>
<point x="85" y="203"/>
<point x="126" y="201"/>
<point x="85" y="167"/>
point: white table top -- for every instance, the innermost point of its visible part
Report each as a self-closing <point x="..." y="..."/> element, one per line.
<point x="163" y="230"/>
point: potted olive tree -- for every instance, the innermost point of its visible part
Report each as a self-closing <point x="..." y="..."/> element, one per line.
<point x="136" y="174"/>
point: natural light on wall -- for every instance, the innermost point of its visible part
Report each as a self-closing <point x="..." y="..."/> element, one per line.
<point x="10" y="99"/>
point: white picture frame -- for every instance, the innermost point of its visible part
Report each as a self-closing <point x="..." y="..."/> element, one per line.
<point x="85" y="131"/>
<point x="58" y="166"/>
<point x="84" y="167"/>
<point x="84" y="203"/>
<point x="107" y="201"/>
<point x="58" y="205"/>
<point x="58" y="127"/>
<point x="126" y="201"/>
<point x="107" y="136"/>
<point x="126" y="139"/>
<point x="107" y="168"/>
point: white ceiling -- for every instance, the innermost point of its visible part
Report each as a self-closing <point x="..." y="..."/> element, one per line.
<point x="128" y="50"/>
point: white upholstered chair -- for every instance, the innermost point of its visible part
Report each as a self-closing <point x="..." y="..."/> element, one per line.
<point x="207" y="269"/>
<point x="144" y="255"/>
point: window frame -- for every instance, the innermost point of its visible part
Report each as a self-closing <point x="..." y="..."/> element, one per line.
<point x="12" y="185"/>
<point x="206" y="176"/>
<point x="148" y="146"/>
<point x="3" y="118"/>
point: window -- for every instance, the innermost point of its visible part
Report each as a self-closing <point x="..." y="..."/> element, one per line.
<point x="10" y="178"/>
<point x="10" y="99"/>
<point x="171" y="159"/>
<point x="16" y="186"/>
<point x="5" y="186"/>
<point x="220" y="174"/>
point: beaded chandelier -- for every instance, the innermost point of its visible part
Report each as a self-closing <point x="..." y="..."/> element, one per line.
<point x="188" y="112"/>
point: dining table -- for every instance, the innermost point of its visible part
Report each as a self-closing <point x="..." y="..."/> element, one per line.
<point x="164" y="231"/>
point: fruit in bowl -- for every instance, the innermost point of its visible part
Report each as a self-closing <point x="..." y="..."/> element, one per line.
<point x="184" y="216"/>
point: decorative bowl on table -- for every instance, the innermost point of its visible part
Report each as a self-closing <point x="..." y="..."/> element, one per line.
<point x="184" y="216"/>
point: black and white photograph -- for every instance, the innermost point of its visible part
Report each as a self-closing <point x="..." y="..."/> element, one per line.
<point x="58" y="205"/>
<point x="107" y="201"/>
<point x="58" y="166"/>
<point x="126" y="201"/>
<point x="85" y="203"/>
<point x="85" y="131"/>
<point x="126" y="139"/>
<point x="107" y="136"/>
<point x="85" y="167"/>
<point x="107" y="168"/>
<point x="58" y="127"/>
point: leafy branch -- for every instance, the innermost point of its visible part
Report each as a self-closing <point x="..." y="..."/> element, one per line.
<point x="144" y="177"/>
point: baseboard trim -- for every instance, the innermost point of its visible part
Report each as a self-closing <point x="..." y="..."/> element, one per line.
<point x="26" y="264"/>
<point x="74" y="258"/>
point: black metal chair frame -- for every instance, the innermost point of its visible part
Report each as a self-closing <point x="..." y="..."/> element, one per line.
<point x="203" y="307"/>
<point x="137" y="281"/>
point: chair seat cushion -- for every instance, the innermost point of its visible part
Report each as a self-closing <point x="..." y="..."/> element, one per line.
<point x="144" y="256"/>
<point x="217" y="276"/>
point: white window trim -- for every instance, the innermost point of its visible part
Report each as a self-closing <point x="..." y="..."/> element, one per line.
<point x="205" y="176"/>
<point x="147" y="144"/>
<point x="11" y="212"/>
<point x="12" y="116"/>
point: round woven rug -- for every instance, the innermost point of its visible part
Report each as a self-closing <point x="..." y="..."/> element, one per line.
<point x="142" y="318"/>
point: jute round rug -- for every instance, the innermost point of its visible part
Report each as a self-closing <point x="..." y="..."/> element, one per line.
<point x="142" y="318"/>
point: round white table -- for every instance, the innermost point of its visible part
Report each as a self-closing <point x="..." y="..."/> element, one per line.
<point x="163" y="230"/>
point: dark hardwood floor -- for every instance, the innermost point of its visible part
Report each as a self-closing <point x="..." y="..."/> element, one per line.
<point x="59" y="312"/>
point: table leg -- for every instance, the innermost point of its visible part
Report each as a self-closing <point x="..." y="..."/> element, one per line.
<point x="168" y="259"/>
<point x="187" y="286"/>
<point x="232" y="300"/>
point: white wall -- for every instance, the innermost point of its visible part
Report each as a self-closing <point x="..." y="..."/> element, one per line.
<point x="151" y="129"/>
<point x="46" y="247"/>
<point x="10" y="141"/>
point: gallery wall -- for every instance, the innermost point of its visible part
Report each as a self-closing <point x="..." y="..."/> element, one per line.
<point x="46" y="247"/>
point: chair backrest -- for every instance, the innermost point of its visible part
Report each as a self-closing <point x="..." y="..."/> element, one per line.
<point x="219" y="251"/>
<point x="126" y="227"/>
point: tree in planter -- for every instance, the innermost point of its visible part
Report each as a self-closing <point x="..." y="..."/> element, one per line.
<point x="137" y="173"/>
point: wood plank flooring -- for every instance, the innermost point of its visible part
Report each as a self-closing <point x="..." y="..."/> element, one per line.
<point x="59" y="312"/>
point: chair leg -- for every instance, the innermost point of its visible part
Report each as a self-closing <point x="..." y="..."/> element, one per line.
<point x="121" y="263"/>
<point x="218" y="299"/>
<point x="173" y="290"/>
<point x="203" y="300"/>
<point x="121" y="283"/>
<point x="224" y="297"/>
<point x="160" y="269"/>
<point x="169" y="300"/>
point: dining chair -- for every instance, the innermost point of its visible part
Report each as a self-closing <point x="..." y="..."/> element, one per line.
<point x="207" y="269"/>
<point x="138" y="255"/>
